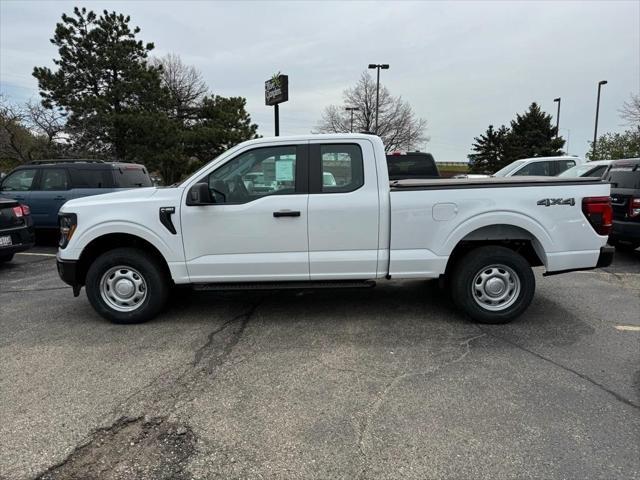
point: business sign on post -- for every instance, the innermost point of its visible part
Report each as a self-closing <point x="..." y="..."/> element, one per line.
<point x="276" y="89"/>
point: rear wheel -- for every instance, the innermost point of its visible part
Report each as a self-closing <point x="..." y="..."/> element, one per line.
<point x="126" y="285"/>
<point x="6" y="258"/>
<point x="493" y="284"/>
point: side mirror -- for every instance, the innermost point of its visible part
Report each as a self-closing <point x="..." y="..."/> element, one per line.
<point x="199" y="194"/>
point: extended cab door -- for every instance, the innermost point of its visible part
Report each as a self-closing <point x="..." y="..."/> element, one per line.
<point x="343" y="210"/>
<point x="257" y="229"/>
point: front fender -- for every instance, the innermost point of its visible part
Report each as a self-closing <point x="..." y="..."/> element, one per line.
<point x="79" y="242"/>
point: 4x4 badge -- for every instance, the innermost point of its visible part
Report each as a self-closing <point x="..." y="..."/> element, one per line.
<point x="547" y="202"/>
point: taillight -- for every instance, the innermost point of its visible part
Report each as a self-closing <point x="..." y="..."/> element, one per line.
<point x="599" y="212"/>
<point x="21" y="211"/>
<point x="634" y="207"/>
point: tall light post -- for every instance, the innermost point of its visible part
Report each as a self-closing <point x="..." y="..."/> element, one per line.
<point x="352" y="109"/>
<point x="378" y="66"/>
<point x="557" y="117"/>
<point x="595" y="130"/>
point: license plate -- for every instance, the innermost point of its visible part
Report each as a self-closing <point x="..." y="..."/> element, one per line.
<point x="5" y="241"/>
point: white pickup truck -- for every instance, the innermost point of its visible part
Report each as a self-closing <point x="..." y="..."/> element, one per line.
<point x="264" y="215"/>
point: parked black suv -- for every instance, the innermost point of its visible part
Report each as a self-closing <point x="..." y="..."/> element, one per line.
<point x="45" y="185"/>
<point x="16" y="228"/>
<point x="624" y="176"/>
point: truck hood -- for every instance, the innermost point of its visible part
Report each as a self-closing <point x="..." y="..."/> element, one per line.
<point x="123" y="196"/>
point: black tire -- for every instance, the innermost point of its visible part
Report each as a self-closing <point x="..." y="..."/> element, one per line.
<point x="464" y="277"/>
<point x="6" y="258"/>
<point x="146" y="267"/>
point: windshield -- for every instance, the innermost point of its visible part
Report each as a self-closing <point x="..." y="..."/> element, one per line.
<point x="577" y="171"/>
<point x="508" y="169"/>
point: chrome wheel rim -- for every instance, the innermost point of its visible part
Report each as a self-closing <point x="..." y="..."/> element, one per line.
<point x="123" y="288"/>
<point x="495" y="287"/>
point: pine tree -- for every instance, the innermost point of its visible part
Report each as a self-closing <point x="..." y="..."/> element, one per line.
<point x="489" y="151"/>
<point x="102" y="79"/>
<point x="532" y="134"/>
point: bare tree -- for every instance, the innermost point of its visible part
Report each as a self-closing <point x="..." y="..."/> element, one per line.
<point x="48" y="123"/>
<point x="630" y="110"/>
<point x="15" y="142"/>
<point x="30" y="131"/>
<point x="184" y="83"/>
<point x="398" y="125"/>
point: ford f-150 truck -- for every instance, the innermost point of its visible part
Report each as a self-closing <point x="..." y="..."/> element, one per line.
<point x="264" y="215"/>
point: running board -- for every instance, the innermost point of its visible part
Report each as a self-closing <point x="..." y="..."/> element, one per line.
<point x="284" y="285"/>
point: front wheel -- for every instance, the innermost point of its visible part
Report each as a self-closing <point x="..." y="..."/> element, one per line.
<point x="126" y="285"/>
<point x="493" y="284"/>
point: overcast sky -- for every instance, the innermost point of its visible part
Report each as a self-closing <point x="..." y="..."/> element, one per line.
<point x="461" y="65"/>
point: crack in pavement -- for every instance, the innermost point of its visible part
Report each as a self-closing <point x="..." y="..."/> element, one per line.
<point x="616" y="395"/>
<point x="393" y="383"/>
<point x="132" y="448"/>
<point x="163" y="401"/>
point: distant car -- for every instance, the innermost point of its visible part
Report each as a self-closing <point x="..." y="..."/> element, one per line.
<point x="471" y="175"/>
<point x="596" y="168"/>
<point x="624" y="177"/>
<point x="45" y="185"/>
<point x="404" y="165"/>
<point x="539" y="166"/>
<point x="16" y="228"/>
<point x="328" y="180"/>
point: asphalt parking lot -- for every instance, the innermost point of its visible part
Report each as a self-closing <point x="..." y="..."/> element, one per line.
<point x="388" y="382"/>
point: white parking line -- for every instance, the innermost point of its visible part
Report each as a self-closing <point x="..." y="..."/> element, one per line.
<point x="37" y="254"/>
<point x="628" y="328"/>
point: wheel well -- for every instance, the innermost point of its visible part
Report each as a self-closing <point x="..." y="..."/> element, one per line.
<point x="112" y="241"/>
<point x="515" y="238"/>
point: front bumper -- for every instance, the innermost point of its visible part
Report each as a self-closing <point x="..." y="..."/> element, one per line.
<point x="604" y="260"/>
<point x="68" y="272"/>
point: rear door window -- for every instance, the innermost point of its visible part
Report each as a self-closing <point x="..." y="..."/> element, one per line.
<point x="132" y="177"/>
<point x="54" y="179"/>
<point x="19" y="181"/>
<point x="342" y="168"/>
<point x="92" y="177"/>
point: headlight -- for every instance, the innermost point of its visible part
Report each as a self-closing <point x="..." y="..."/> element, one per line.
<point x="68" y="223"/>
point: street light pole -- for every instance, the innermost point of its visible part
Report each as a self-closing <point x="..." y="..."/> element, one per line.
<point x="378" y="66"/>
<point x="352" y="109"/>
<point x="557" y="117"/>
<point x="595" y="130"/>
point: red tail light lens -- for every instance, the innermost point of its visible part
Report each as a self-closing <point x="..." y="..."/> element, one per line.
<point x="599" y="213"/>
<point x="634" y="207"/>
<point x="21" y="211"/>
